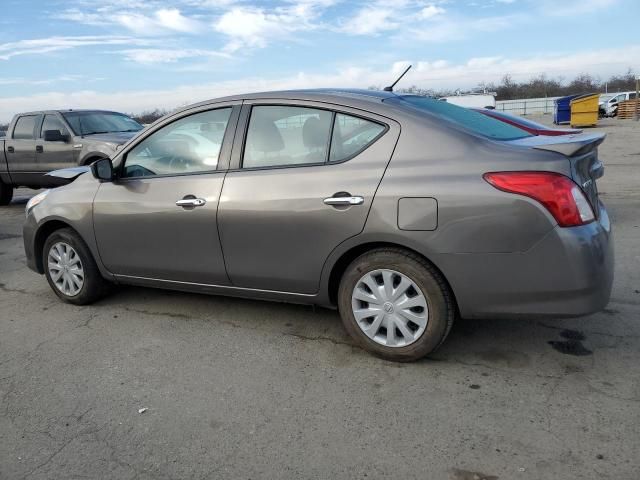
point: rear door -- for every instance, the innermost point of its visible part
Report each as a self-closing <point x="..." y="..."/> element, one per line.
<point x="21" y="151"/>
<point x="53" y="155"/>
<point x="302" y="181"/>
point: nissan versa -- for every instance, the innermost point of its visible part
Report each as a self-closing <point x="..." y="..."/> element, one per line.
<point x="401" y="211"/>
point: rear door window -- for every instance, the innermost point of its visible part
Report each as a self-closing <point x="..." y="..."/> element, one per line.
<point x="25" y="126"/>
<point x="471" y="120"/>
<point x="286" y="136"/>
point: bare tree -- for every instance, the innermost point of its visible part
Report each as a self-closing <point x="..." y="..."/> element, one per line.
<point x="149" y="116"/>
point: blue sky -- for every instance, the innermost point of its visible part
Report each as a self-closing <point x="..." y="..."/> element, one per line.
<point x="133" y="55"/>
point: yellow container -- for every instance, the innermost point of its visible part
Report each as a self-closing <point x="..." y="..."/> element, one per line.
<point x="584" y="111"/>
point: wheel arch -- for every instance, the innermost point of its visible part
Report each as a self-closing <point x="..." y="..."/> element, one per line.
<point x="43" y="232"/>
<point x="344" y="260"/>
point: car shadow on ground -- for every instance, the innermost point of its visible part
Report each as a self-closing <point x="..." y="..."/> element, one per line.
<point x="493" y="343"/>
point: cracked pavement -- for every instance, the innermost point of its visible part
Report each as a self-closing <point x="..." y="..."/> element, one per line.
<point x="246" y="389"/>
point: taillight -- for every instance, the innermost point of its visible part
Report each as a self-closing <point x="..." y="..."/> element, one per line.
<point x="558" y="193"/>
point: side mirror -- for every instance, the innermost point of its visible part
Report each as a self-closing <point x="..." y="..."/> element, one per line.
<point x="102" y="169"/>
<point x="54" y="136"/>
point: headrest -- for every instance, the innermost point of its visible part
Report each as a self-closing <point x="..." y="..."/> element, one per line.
<point x="265" y="136"/>
<point x="313" y="135"/>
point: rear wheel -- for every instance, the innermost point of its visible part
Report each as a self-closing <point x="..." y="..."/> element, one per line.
<point x="71" y="270"/>
<point x="6" y="193"/>
<point x="395" y="304"/>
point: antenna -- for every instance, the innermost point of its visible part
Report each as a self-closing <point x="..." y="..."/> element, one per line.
<point x="390" y="88"/>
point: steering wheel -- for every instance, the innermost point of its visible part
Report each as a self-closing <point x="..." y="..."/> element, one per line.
<point x="173" y="162"/>
<point x="137" y="171"/>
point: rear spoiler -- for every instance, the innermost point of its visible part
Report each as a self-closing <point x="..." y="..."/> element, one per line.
<point x="572" y="145"/>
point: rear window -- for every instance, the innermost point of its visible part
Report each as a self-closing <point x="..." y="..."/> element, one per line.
<point x="470" y="120"/>
<point x="515" y="118"/>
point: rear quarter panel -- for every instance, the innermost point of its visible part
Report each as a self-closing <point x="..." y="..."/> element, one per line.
<point x="473" y="217"/>
<point x="475" y="221"/>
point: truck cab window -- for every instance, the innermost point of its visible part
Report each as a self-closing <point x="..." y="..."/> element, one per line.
<point x="25" y="126"/>
<point x="51" y="122"/>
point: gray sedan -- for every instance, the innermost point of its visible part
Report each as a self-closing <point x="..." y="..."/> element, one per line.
<point x="400" y="211"/>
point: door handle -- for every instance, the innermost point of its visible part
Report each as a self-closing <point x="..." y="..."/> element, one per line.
<point x="39" y="149"/>
<point x="339" y="201"/>
<point x="10" y="149"/>
<point x="191" y="202"/>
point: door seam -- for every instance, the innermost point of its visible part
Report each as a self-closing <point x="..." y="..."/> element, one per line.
<point x="224" y="179"/>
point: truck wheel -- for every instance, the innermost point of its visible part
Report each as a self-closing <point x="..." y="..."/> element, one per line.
<point x="70" y="269"/>
<point x="6" y="193"/>
<point x="395" y="304"/>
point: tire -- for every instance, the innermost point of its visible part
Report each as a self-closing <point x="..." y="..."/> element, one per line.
<point x="434" y="312"/>
<point x="67" y="245"/>
<point x="6" y="193"/>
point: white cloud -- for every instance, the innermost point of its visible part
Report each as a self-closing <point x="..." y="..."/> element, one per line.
<point x="47" y="81"/>
<point x="574" y="7"/>
<point x="80" y="16"/>
<point x="370" y="21"/>
<point x="430" y="11"/>
<point x="172" y="19"/>
<point x="255" y="27"/>
<point x="455" y="29"/>
<point x="52" y="44"/>
<point x="164" y="20"/>
<point x="384" y="16"/>
<point x="149" y="56"/>
<point x="434" y="74"/>
<point x="157" y="22"/>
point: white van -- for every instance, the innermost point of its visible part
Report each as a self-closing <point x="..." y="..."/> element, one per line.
<point x="472" y="100"/>
<point x="611" y="105"/>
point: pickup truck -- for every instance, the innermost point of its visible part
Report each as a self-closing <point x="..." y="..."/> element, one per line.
<point x="39" y="142"/>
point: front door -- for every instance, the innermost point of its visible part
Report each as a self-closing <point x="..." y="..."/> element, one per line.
<point x="157" y="220"/>
<point x="54" y="155"/>
<point x="304" y="183"/>
<point x="20" y="148"/>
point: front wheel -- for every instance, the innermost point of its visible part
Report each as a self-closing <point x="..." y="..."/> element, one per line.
<point x="395" y="304"/>
<point x="71" y="270"/>
<point x="6" y="193"/>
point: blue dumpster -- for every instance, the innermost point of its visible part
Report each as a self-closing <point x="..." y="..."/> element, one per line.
<point x="562" y="109"/>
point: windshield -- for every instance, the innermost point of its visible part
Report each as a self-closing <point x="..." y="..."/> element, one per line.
<point x="469" y="119"/>
<point x="88" y="123"/>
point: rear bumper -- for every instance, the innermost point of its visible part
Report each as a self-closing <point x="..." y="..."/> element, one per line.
<point x="568" y="273"/>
